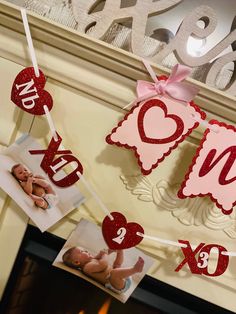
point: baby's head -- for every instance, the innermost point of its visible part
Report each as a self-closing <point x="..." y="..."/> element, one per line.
<point x="20" y="172"/>
<point x="76" y="257"/>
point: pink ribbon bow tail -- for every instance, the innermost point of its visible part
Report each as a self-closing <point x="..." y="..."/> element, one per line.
<point x="173" y="86"/>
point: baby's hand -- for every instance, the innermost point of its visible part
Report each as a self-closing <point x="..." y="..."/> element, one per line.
<point x="109" y="251"/>
<point x="101" y="253"/>
<point x="38" y="176"/>
<point x="30" y="179"/>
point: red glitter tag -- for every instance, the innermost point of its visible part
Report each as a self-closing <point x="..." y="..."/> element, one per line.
<point x="119" y="234"/>
<point x="28" y="92"/>
<point x="52" y="164"/>
<point x="199" y="265"/>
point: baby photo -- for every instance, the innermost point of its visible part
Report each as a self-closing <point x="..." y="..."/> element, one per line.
<point x="85" y="254"/>
<point x="28" y="185"/>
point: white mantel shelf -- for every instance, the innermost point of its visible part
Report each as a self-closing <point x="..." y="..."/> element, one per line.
<point x="51" y="38"/>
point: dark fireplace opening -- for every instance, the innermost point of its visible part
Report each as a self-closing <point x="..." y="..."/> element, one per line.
<point x="37" y="287"/>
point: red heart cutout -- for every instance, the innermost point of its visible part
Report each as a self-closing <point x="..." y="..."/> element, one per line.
<point x="28" y="92"/>
<point x="119" y="234"/>
<point x="158" y="103"/>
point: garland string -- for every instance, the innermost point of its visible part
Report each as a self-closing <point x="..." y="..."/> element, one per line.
<point x="87" y="185"/>
<point x="48" y="115"/>
<point x="30" y="42"/>
<point x="169" y="242"/>
<point x="50" y="123"/>
<point x="36" y="69"/>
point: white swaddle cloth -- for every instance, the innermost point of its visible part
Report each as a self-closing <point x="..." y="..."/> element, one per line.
<point x="51" y="199"/>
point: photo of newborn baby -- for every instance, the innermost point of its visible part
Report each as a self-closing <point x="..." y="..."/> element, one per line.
<point x="116" y="271"/>
<point x="22" y="178"/>
<point x="115" y="277"/>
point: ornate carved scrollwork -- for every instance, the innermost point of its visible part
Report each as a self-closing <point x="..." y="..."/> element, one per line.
<point x="190" y="212"/>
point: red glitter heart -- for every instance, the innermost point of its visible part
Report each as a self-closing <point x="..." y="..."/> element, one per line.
<point x="28" y="92"/>
<point x="177" y="120"/>
<point x="119" y="234"/>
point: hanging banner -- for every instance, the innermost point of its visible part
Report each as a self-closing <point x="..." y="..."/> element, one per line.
<point x="163" y="116"/>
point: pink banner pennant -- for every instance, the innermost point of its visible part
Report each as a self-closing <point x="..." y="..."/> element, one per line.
<point x="213" y="170"/>
<point x="162" y="119"/>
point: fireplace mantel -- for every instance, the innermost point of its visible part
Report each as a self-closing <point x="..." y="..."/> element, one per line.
<point x="91" y="82"/>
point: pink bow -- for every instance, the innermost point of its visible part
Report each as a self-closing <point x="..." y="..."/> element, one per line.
<point x="173" y="86"/>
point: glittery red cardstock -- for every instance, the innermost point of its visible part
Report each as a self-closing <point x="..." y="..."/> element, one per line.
<point x="213" y="170"/>
<point x="197" y="259"/>
<point x="120" y="234"/>
<point x="154" y="128"/>
<point x="55" y="159"/>
<point x="28" y="92"/>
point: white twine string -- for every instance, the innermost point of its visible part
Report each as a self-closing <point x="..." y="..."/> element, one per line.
<point x="95" y="196"/>
<point x="229" y="253"/>
<point x="29" y="41"/>
<point x="36" y="69"/>
<point x="92" y="192"/>
<point x="169" y="242"/>
<point x="47" y="113"/>
<point x="134" y="102"/>
<point x="150" y="70"/>
<point x="50" y="123"/>
<point x="164" y="241"/>
<point x="206" y="124"/>
<point x="129" y="104"/>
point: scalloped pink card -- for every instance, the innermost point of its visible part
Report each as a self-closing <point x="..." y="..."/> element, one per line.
<point x="154" y="128"/>
<point x="213" y="170"/>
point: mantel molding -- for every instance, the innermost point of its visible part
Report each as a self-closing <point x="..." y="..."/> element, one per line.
<point x="103" y="68"/>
